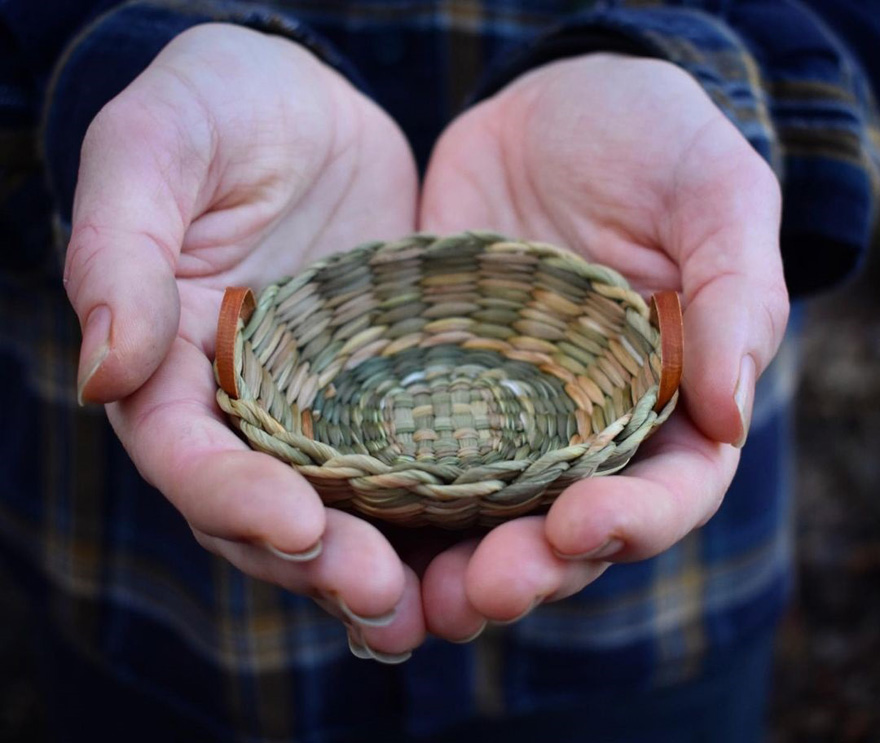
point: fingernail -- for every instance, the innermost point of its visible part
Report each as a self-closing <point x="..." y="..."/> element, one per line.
<point x="333" y="604"/>
<point x="535" y="603"/>
<point x="309" y="554"/>
<point x="95" y="347"/>
<point x="608" y="548"/>
<point x="474" y="636"/>
<point x="744" y="397"/>
<point x="382" y="620"/>
<point x="360" y="649"/>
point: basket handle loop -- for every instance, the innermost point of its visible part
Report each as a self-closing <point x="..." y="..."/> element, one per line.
<point x="238" y="302"/>
<point x="666" y="316"/>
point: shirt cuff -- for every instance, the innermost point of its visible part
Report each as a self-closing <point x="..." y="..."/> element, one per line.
<point x="107" y="55"/>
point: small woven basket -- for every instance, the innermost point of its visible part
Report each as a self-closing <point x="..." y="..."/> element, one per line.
<point x="450" y="381"/>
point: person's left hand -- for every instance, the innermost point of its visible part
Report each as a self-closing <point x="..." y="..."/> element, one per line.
<point x="629" y="163"/>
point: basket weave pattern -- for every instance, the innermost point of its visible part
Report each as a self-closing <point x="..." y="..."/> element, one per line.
<point x="456" y="381"/>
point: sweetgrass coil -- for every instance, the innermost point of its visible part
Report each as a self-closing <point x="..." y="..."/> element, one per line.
<point x="453" y="381"/>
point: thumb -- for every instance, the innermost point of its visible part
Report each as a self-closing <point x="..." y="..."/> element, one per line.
<point x="732" y="329"/>
<point x="736" y="309"/>
<point x="129" y="221"/>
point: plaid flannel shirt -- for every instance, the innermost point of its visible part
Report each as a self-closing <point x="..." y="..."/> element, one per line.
<point x="108" y="560"/>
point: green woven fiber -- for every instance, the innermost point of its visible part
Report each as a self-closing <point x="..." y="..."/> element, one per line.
<point x="452" y="381"/>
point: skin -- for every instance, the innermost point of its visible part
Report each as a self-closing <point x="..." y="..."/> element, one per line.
<point x="629" y="163"/>
<point x="228" y="150"/>
<point x="206" y="169"/>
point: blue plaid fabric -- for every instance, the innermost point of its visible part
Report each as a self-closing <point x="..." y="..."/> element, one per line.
<point x="113" y="568"/>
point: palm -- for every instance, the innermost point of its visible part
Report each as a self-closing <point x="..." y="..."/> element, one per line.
<point x="611" y="172"/>
<point x="277" y="226"/>
<point x="630" y="164"/>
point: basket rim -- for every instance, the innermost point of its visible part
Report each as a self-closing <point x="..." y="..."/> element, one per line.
<point x="452" y="495"/>
<point x="239" y="303"/>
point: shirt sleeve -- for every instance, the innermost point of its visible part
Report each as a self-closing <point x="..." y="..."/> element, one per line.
<point x="105" y="57"/>
<point x="60" y="62"/>
<point x="790" y="84"/>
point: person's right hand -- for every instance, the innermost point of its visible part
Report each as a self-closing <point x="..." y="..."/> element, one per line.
<point x="234" y="159"/>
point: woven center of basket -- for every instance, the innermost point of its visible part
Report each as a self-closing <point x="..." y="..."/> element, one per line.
<point x="447" y="405"/>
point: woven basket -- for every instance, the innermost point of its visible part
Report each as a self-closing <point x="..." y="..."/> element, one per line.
<point x="450" y="381"/>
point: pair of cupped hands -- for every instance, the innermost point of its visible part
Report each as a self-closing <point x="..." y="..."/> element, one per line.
<point x="237" y="158"/>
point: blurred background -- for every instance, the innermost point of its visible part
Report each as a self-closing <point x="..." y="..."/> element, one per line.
<point x="827" y="675"/>
<point x="827" y="679"/>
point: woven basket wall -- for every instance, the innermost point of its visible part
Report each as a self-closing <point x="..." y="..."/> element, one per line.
<point x="456" y="381"/>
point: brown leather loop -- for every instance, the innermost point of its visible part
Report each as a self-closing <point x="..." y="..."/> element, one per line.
<point x="238" y="302"/>
<point x="666" y="315"/>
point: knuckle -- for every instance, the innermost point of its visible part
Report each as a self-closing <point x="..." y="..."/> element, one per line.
<point x="775" y="306"/>
<point x="203" y="540"/>
<point x="115" y="116"/>
<point x="84" y="253"/>
<point x="765" y="180"/>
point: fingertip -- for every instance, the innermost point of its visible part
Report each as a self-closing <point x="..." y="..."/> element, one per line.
<point x="94" y="351"/>
<point x="734" y="321"/>
<point x="715" y="343"/>
<point x="582" y="524"/>
<point x="663" y="496"/>
<point x="242" y="495"/>
<point x="516" y="571"/>
<point x="512" y="570"/>
<point x="112" y="375"/>
<point x="744" y="397"/>
<point x="130" y="313"/>
<point x="394" y="641"/>
<point x="306" y="555"/>
<point x="266" y="499"/>
<point x="448" y="612"/>
<point x="713" y="411"/>
<point x="360" y="566"/>
<point x="176" y="437"/>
